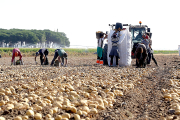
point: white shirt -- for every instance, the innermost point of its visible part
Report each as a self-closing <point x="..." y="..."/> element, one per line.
<point x="100" y="42"/>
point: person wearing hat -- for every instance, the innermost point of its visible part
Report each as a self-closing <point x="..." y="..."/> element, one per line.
<point x="100" y="49"/>
<point x="114" y="50"/>
<point x="15" y="53"/>
<point x="43" y="56"/>
<point x="61" y="54"/>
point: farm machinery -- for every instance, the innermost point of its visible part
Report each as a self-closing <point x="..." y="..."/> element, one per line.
<point x="127" y="48"/>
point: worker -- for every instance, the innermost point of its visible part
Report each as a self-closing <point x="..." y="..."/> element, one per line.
<point x="100" y="49"/>
<point x="141" y="55"/>
<point x="114" y="50"/>
<point x="43" y="56"/>
<point x="139" y="35"/>
<point x="61" y="54"/>
<point x="151" y="52"/>
<point x="15" y="53"/>
<point x="146" y="42"/>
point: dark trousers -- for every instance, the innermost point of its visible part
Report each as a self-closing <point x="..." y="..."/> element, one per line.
<point x="55" y="57"/>
<point x="42" y="60"/>
<point x="142" y="61"/>
<point x="151" y="56"/>
<point x="99" y="58"/>
<point x="111" y="62"/>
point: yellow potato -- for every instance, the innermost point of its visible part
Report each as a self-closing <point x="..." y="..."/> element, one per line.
<point x="2" y="118"/>
<point x="30" y="113"/>
<point x="58" y="117"/>
<point x="77" y="117"/>
<point x="38" y="116"/>
<point x="66" y="115"/>
<point x="93" y="111"/>
<point x="18" y="118"/>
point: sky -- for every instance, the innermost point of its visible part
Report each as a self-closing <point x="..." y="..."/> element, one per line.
<point x="80" y="19"/>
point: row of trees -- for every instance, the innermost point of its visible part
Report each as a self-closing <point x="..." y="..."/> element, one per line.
<point x="33" y="36"/>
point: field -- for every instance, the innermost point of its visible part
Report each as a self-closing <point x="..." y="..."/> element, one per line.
<point x="84" y="90"/>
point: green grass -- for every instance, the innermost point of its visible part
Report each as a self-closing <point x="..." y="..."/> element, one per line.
<point x="166" y="51"/>
<point x="6" y="52"/>
<point x="31" y="51"/>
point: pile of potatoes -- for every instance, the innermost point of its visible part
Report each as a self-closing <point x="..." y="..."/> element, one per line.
<point x="173" y="94"/>
<point x="80" y="92"/>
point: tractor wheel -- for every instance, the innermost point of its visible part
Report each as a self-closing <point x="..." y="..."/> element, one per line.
<point x="105" y="54"/>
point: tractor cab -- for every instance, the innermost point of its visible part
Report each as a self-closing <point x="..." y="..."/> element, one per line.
<point x="137" y="34"/>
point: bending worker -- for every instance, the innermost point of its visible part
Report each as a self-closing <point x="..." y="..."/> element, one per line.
<point x="141" y="55"/>
<point x="61" y="54"/>
<point x="15" y="53"/>
<point x="43" y="56"/>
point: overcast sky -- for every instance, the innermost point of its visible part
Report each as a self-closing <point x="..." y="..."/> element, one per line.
<point x="80" y="19"/>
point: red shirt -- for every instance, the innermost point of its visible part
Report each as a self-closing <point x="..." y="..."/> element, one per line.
<point x="19" y="54"/>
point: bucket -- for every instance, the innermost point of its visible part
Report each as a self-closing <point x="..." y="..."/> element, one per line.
<point x="179" y="49"/>
<point x="98" y="34"/>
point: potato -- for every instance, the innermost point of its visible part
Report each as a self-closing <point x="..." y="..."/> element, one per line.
<point x="38" y="116"/>
<point x="58" y="117"/>
<point x="86" y="109"/>
<point x="18" y="118"/>
<point x="2" y="102"/>
<point x="55" y="109"/>
<point x="79" y="112"/>
<point x="77" y="117"/>
<point x="66" y="115"/>
<point x="2" y="118"/>
<point x="25" y="117"/>
<point x="100" y="107"/>
<point x="30" y="113"/>
<point x="93" y="111"/>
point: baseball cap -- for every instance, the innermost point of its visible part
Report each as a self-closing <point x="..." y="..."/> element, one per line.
<point x="37" y="53"/>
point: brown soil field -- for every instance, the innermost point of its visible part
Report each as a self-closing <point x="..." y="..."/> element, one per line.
<point x="143" y="89"/>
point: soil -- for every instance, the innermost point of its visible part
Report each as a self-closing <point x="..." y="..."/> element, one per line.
<point x="145" y="101"/>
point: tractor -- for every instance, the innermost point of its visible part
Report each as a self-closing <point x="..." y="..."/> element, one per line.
<point x="136" y="32"/>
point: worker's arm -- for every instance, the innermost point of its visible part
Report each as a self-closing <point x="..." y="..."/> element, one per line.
<point x="13" y="57"/>
<point x="44" y="58"/>
<point x="66" y="62"/>
<point x="105" y="36"/>
<point x="35" y="59"/>
<point x="20" y="56"/>
<point x="59" y="60"/>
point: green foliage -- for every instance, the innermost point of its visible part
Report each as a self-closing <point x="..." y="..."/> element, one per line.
<point x="166" y="51"/>
<point x="31" y="51"/>
<point x="33" y="36"/>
